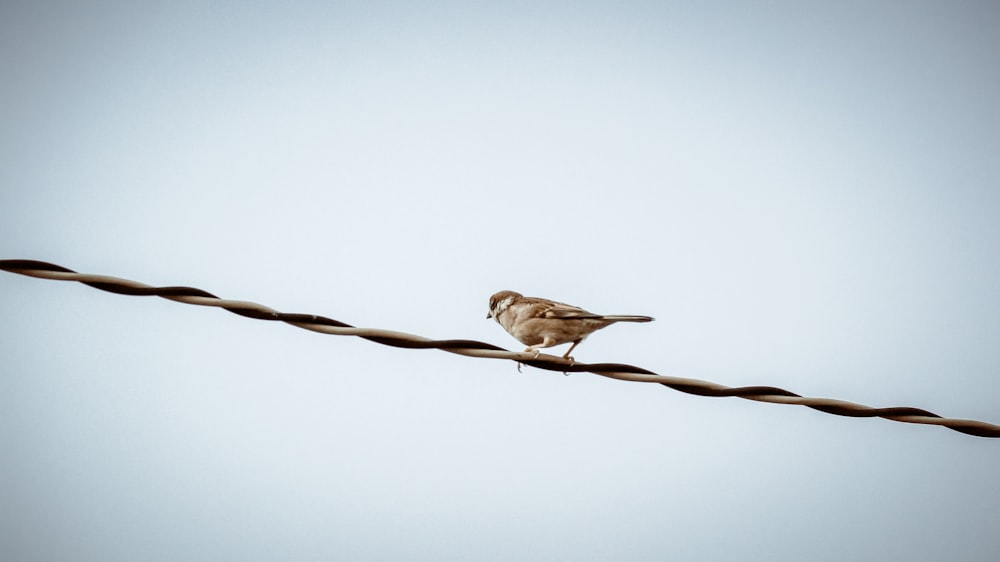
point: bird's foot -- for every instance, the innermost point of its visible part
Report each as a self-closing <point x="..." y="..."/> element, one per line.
<point x="571" y="363"/>
<point x="534" y="351"/>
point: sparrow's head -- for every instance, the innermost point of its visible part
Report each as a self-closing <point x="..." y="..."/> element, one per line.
<point x="500" y="301"/>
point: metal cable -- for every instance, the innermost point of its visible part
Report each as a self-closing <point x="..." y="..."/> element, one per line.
<point x="472" y="348"/>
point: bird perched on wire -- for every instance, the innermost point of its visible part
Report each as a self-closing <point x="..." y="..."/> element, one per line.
<point x="539" y="323"/>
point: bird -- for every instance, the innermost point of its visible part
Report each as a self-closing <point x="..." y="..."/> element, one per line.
<point x="540" y="323"/>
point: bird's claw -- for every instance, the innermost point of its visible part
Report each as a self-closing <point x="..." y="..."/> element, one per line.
<point x="571" y="363"/>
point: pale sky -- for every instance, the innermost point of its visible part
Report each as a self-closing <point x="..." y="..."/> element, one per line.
<point x="804" y="194"/>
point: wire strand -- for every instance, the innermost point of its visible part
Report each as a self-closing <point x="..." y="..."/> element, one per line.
<point x="473" y="348"/>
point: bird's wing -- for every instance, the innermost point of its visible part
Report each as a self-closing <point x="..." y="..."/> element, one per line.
<point x="558" y="310"/>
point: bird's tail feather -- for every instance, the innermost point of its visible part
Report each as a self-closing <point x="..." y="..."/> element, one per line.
<point x="627" y="318"/>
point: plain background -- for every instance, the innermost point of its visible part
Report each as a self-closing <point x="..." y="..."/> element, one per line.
<point x="804" y="194"/>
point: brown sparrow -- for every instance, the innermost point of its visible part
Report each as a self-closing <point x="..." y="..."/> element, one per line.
<point x="539" y="323"/>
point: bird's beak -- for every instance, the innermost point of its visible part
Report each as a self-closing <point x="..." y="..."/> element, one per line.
<point x="489" y="315"/>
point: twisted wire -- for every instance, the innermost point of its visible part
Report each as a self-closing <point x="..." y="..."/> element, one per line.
<point x="472" y="348"/>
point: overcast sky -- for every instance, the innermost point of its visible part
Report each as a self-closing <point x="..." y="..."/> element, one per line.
<point x="804" y="195"/>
